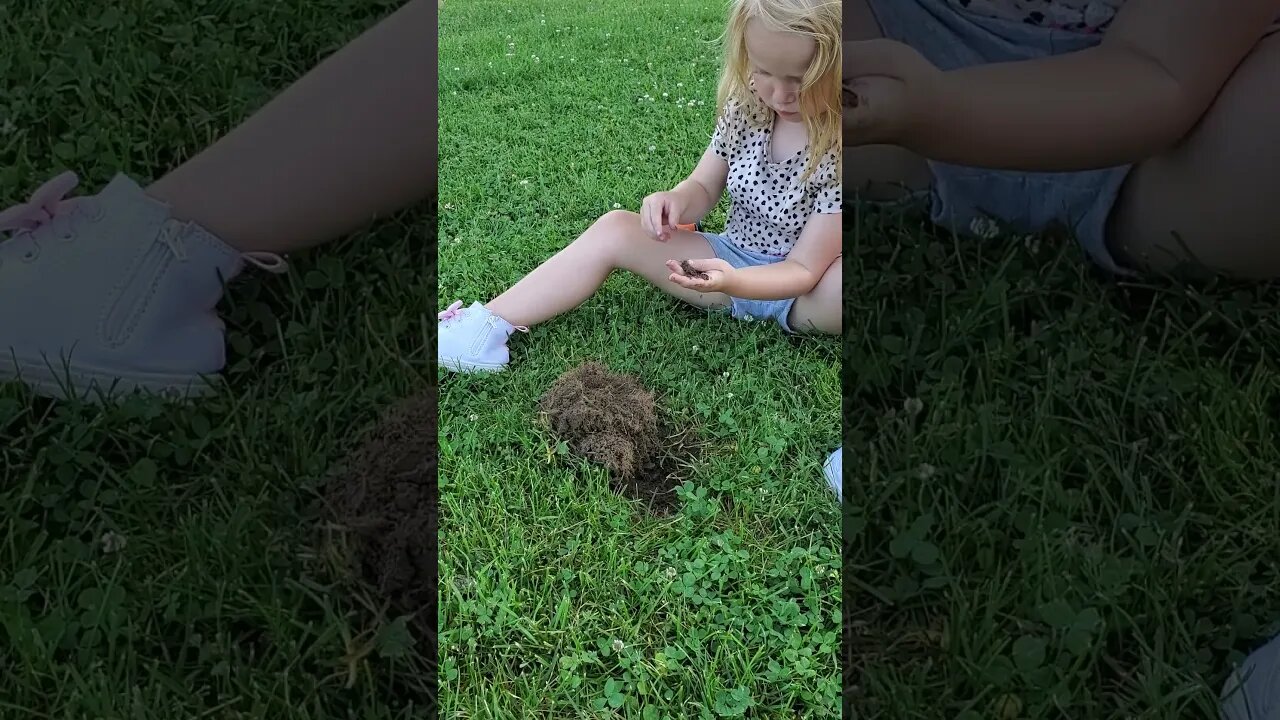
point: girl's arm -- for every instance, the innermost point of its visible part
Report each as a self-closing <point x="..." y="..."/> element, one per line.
<point x="1135" y="95"/>
<point x="815" y="250"/>
<point x="701" y="191"/>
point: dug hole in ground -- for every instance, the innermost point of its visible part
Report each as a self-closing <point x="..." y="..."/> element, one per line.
<point x="610" y="419"/>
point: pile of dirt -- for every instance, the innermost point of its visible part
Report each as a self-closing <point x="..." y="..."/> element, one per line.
<point x="385" y="497"/>
<point x="612" y="420"/>
<point x="606" y="417"/>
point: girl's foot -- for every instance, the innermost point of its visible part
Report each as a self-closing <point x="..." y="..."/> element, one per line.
<point x="110" y="294"/>
<point x="473" y="339"/>
<point x="1253" y="690"/>
<point x="832" y="471"/>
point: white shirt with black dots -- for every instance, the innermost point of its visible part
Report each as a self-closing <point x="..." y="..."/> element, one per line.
<point x="768" y="207"/>
<point x="1083" y="16"/>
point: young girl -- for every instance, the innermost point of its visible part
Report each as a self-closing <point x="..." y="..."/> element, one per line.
<point x="775" y="148"/>
<point x="1149" y="127"/>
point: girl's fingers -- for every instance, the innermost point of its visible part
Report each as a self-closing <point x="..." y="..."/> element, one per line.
<point x="655" y="220"/>
<point x="646" y="219"/>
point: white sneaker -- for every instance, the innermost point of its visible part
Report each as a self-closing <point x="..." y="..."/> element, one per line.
<point x="108" y="294"/>
<point x="473" y="339"/>
<point x="1252" y="692"/>
<point x="833" y="472"/>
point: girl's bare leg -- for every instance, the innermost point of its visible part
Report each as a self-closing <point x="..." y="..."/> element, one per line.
<point x="1216" y="189"/>
<point x="614" y="242"/>
<point x="820" y="311"/>
<point x="353" y="140"/>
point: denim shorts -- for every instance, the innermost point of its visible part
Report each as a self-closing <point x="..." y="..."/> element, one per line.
<point x="776" y="310"/>
<point x="1025" y="202"/>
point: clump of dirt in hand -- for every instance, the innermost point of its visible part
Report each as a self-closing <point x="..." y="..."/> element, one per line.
<point x="385" y="497"/>
<point x="689" y="271"/>
<point x="606" y="417"/>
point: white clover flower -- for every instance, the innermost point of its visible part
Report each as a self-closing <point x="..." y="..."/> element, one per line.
<point x="984" y="228"/>
<point x="113" y="542"/>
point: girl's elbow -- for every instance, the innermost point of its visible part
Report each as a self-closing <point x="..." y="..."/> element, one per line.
<point x="810" y="283"/>
<point x="1180" y="112"/>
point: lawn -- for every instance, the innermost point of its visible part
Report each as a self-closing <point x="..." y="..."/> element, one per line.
<point x="1066" y="501"/>
<point x="561" y="598"/>
<point x="163" y="562"/>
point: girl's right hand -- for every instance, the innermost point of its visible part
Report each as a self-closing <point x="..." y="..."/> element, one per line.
<point x="889" y="92"/>
<point x="660" y="214"/>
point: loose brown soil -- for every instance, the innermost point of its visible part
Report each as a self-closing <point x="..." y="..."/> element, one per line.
<point x="612" y="420"/>
<point x="688" y="270"/>
<point x="656" y="482"/>
<point x="385" y="497"/>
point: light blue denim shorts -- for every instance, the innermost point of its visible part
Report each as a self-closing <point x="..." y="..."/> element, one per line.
<point x="1025" y="202"/>
<point x="777" y="310"/>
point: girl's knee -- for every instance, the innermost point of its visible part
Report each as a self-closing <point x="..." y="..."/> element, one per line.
<point x="619" y="220"/>
<point x="833" y="270"/>
<point x="607" y="239"/>
<point x="611" y="228"/>
<point x="830" y="279"/>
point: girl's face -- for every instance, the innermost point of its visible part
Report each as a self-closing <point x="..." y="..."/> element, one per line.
<point x="778" y="62"/>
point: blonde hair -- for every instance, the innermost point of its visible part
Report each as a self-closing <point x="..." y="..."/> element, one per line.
<point x="819" y="89"/>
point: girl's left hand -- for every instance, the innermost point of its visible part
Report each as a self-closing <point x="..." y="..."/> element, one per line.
<point x="718" y="273"/>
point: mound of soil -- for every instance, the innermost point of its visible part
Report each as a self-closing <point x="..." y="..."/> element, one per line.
<point x="606" y="417"/>
<point x="385" y="496"/>
<point x="612" y="420"/>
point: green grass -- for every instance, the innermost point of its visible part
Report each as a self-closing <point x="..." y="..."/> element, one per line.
<point x="560" y="598"/>
<point x="217" y="604"/>
<point x="1067" y="502"/>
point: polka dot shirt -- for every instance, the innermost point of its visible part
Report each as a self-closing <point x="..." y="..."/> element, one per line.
<point x="1085" y="16"/>
<point x="769" y="207"/>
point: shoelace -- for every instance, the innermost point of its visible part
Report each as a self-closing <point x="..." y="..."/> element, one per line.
<point x="41" y="208"/>
<point x="49" y="200"/>
<point x="455" y="311"/>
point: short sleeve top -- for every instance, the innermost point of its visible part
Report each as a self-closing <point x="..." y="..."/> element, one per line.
<point x="1084" y="16"/>
<point x="768" y="206"/>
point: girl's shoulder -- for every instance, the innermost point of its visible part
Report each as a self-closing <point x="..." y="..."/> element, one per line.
<point x="736" y="126"/>
<point x="741" y="113"/>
